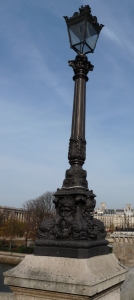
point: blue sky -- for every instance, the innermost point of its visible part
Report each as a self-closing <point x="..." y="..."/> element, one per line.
<point x="36" y="98"/>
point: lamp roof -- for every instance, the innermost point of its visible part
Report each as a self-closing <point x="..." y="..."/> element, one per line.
<point x="84" y="12"/>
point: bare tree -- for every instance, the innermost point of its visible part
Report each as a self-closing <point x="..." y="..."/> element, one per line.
<point x="11" y="229"/>
<point x="37" y="210"/>
<point x="1" y="218"/>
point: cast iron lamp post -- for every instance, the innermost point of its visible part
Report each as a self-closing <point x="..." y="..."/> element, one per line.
<point x="73" y="231"/>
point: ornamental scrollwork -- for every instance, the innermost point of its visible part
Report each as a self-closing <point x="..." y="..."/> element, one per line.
<point x="77" y="150"/>
<point x="73" y="221"/>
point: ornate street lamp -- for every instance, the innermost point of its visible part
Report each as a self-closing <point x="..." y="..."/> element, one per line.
<point x="83" y="30"/>
<point x="73" y="231"/>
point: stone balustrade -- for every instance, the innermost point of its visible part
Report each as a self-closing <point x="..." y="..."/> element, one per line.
<point x="123" y="237"/>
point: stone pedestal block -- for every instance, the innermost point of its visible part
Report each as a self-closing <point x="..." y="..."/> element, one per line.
<point x="55" y="278"/>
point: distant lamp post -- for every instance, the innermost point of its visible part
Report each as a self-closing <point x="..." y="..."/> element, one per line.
<point x="73" y="231"/>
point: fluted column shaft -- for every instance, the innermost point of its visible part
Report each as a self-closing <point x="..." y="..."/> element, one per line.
<point x="78" y="116"/>
<point x="77" y="145"/>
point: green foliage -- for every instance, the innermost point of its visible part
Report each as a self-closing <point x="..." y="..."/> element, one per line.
<point x="24" y="249"/>
<point x="12" y="228"/>
<point x="5" y="246"/>
<point x="110" y="249"/>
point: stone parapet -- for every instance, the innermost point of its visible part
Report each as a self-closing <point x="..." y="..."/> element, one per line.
<point x="124" y="253"/>
<point x="11" y="258"/>
<point x="56" y="278"/>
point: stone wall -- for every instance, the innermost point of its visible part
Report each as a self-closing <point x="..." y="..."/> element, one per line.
<point x="12" y="212"/>
<point x="124" y="253"/>
<point x="11" y="258"/>
<point x="127" y="288"/>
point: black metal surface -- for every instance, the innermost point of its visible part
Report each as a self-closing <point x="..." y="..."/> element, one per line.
<point x="73" y="231"/>
<point x="71" y="252"/>
<point x="74" y="226"/>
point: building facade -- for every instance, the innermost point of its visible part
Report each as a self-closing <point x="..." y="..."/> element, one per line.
<point x="115" y="218"/>
<point x="12" y="212"/>
<point x="112" y="218"/>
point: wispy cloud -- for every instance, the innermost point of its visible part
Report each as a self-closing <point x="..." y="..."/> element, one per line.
<point x="111" y="35"/>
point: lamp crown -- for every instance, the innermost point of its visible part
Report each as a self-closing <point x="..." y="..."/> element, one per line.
<point x="84" y="10"/>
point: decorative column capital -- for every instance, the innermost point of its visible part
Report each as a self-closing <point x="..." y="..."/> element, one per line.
<point x="81" y="66"/>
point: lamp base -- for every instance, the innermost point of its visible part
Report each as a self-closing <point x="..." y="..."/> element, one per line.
<point x="73" y="231"/>
<point x="70" y="252"/>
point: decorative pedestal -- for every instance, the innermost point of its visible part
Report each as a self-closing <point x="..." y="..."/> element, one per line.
<point x="60" y="278"/>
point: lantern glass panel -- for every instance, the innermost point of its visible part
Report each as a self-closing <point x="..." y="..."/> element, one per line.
<point x="86" y="49"/>
<point x="79" y="48"/>
<point x="91" y="36"/>
<point x="77" y="33"/>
